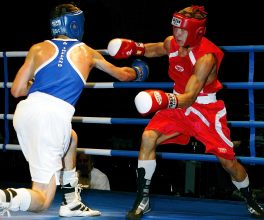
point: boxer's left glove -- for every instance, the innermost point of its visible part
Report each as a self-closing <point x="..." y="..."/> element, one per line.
<point x="121" y="48"/>
<point x="142" y="70"/>
<point x="150" y="101"/>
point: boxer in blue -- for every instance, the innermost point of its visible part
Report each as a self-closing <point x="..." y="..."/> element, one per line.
<point x="53" y="77"/>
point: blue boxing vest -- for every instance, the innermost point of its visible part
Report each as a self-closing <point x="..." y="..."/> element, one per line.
<point x="57" y="76"/>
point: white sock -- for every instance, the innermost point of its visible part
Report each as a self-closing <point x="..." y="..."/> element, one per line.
<point x="70" y="177"/>
<point x="149" y="166"/>
<point x="242" y="184"/>
<point x="21" y="201"/>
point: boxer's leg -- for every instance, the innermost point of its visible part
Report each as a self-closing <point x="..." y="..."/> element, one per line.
<point x="71" y="204"/>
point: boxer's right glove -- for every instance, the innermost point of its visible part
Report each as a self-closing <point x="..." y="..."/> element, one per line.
<point x="142" y="70"/>
<point x="149" y="101"/>
<point x="120" y="48"/>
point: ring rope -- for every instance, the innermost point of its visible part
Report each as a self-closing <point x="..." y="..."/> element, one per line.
<point x="140" y="121"/>
<point x="153" y="85"/>
<point x="162" y="155"/>
<point x="250" y="86"/>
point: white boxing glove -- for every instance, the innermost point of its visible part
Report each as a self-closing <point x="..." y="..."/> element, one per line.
<point x="149" y="101"/>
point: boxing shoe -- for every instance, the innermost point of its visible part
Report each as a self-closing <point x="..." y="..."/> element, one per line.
<point x="77" y="208"/>
<point x="255" y="210"/>
<point x="72" y="205"/>
<point x="141" y="205"/>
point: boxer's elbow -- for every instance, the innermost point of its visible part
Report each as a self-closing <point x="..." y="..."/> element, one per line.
<point x="16" y="92"/>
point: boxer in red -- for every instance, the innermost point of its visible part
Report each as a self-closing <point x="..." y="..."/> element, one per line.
<point x="191" y="110"/>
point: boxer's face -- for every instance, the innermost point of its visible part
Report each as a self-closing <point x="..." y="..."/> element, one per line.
<point x="180" y="35"/>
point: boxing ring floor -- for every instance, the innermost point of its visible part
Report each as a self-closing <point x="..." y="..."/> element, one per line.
<point x="114" y="206"/>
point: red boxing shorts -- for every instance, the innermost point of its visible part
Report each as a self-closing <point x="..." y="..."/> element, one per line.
<point x="205" y="122"/>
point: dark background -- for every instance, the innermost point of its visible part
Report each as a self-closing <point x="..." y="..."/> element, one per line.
<point x="229" y="23"/>
<point x="24" y="23"/>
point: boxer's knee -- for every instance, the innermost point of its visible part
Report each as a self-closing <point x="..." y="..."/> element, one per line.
<point x="228" y="165"/>
<point x="150" y="136"/>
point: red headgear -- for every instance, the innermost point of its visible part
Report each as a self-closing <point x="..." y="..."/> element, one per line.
<point x="195" y="27"/>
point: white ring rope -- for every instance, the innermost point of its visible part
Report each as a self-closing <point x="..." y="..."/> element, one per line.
<point x="163" y="155"/>
<point x="24" y="53"/>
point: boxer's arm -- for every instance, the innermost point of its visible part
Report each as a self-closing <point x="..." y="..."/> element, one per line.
<point x="24" y="77"/>
<point x="204" y="73"/>
<point x="120" y="73"/>
<point x="157" y="49"/>
<point x="121" y="48"/>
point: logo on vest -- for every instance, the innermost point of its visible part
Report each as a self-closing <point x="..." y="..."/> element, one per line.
<point x="179" y="68"/>
<point x="222" y="150"/>
<point x="62" y="55"/>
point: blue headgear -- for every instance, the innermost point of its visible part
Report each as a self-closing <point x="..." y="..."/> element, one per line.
<point x="70" y="24"/>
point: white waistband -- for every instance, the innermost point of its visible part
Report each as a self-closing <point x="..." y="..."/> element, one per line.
<point x="203" y="99"/>
<point x="56" y="102"/>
